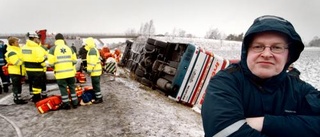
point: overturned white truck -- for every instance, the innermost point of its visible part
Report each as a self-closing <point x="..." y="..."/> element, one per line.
<point x="181" y="70"/>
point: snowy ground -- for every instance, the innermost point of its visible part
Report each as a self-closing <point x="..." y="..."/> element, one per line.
<point x="129" y="110"/>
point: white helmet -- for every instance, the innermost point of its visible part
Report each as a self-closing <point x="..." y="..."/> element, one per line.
<point x="32" y="34"/>
<point x="83" y="42"/>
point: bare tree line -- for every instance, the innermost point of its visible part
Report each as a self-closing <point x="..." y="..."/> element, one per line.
<point x="148" y="29"/>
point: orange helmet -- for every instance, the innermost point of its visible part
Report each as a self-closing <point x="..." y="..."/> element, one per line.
<point x="105" y="49"/>
<point x="117" y="52"/>
<point x="107" y="55"/>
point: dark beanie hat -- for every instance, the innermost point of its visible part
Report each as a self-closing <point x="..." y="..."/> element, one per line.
<point x="59" y="36"/>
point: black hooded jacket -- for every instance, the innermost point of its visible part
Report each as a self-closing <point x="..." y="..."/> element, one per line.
<point x="290" y="106"/>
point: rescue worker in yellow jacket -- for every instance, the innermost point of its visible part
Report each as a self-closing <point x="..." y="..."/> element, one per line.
<point x="94" y="68"/>
<point x="15" y="68"/>
<point x="34" y="58"/>
<point x="63" y="59"/>
<point x="44" y="82"/>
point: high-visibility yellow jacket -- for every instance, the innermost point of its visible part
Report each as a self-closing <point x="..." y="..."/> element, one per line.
<point x="46" y="52"/>
<point x="93" y="58"/>
<point x="14" y="60"/>
<point x="63" y="60"/>
<point x="34" y="56"/>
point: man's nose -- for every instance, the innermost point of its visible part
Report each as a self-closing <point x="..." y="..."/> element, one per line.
<point x="267" y="52"/>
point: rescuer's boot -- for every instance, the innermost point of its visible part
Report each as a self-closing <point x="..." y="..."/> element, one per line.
<point x="65" y="106"/>
<point x="5" y="88"/>
<point x="97" y="101"/>
<point x="36" y="98"/>
<point x="19" y="101"/>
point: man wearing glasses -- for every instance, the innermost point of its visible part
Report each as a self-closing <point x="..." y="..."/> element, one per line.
<point x="256" y="97"/>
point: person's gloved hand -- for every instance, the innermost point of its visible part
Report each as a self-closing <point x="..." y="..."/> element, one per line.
<point x="89" y="72"/>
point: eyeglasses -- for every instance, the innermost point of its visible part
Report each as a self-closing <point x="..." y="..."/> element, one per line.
<point x="278" y="49"/>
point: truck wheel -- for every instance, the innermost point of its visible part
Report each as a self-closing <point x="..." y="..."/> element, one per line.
<point x="138" y="78"/>
<point x="161" y="44"/>
<point x="149" y="47"/>
<point x="146" y="82"/>
<point x="139" y="71"/>
<point x="151" y="41"/>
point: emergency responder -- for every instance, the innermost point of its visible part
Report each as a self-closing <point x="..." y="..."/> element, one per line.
<point x="74" y="48"/>
<point x="83" y="55"/>
<point x="16" y="68"/>
<point x="63" y="59"/>
<point x="4" y="78"/>
<point x="34" y="58"/>
<point x="94" y="68"/>
<point x="44" y="82"/>
<point x="117" y="54"/>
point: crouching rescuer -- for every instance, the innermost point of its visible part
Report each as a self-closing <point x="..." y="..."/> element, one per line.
<point x="34" y="57"/>
<point x="94" y="68"/>
<point x="63" y="59"/>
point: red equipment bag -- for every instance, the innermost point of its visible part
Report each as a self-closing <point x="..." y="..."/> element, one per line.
<point x="81" y="78"/>
<point x="5" y="70"/>
<point x="50" y="103"/>
<point x="79" y="92"/>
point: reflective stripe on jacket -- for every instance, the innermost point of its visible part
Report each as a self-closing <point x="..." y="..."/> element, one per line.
<point x="34" y="56"/>
<point x="93" y="58"/>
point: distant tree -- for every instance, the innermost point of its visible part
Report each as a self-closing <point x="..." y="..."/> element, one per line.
<point x="235" y="37"/>
<point x="231" y="37"/>
<point x="141" y="29"/>
<point x="147" y="29"/>
<point x="167" y="34"/>
<point x="189" y="35"/>
<point x="174" y="32"/>
<point x="151" y="29"/>
<point x="315" y="42"/>
<point x="181" y="33"/>
<point x="177" y="32"/>
<point x="240" y="37"/>
<point x="131" y="32"/>
<point x="213" y="34"/>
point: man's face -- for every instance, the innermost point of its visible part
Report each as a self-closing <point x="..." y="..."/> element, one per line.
<point x="267" y="63"/>
<point x="37" y="40"/>
<point x="16" y="43"/>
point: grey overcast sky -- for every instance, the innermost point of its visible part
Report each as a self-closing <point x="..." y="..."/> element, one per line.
<point x="117" y="16"/>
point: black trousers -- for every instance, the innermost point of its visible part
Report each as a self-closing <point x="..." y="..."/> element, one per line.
<point x="36" y="80"/>
<point x="16" y="83"/>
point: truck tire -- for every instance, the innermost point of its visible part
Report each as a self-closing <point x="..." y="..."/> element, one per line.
<point x="151" y="41"/>
<point x="149" y="47"/>
<point x="160" y="44"/>
<point x="140" y="71"/>
<point x="146" y="82"/>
